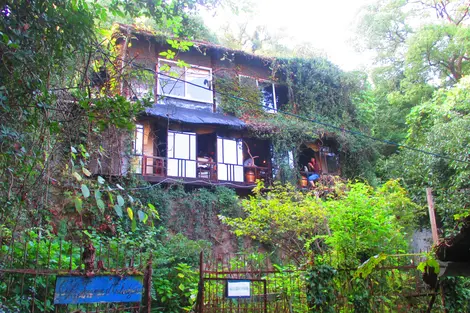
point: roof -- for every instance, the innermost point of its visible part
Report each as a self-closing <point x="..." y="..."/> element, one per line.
<point x="197" y="43"/>
<point x="193" y="116"/>
<point x="457" y="247"/>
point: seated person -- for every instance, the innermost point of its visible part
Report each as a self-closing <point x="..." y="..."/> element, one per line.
<point x="314" y="171"/>
<point x="250" y="162"/>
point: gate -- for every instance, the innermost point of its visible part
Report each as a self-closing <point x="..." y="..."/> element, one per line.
<point x="271" y="288"/>
<point x="395" y="285"/>
<point x="30" y="265"/>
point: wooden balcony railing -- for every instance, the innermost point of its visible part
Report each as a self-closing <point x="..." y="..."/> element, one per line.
<point x="207" y="169"/>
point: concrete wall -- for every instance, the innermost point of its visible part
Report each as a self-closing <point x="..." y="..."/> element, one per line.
<point x="421" y="241"/>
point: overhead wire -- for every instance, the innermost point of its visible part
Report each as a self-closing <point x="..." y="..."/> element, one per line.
<point x="342" y="129"/>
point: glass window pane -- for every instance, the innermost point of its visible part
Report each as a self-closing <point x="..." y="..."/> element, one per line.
<point x="171" y="87"/>
<point x="220" y="154"/>
<point x="171" y="148"/>
<point x="182" y="146"/>
<point x="168" y="83"/>
<point x="139" y="139"/>
<point x="240" y="152"/>
<point x="202" y="80"/>
<point x="230" y="151"/>
<point x="192" y="152"/>
<point x="268" y="96"/>
<point x="172" y="167"/>
<point x="190" y="169"/>
<point x="222" y="172"/>
<point x="238" y="173"/>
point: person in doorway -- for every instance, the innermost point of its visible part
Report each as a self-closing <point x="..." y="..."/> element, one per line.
<point x="250" y="162"/>
<point x="313" y="172"/>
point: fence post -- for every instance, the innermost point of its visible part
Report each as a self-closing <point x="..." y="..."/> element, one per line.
<point x="200" y="291"/>
<point x="148" y="284"/>
<point x="432" y="216"/>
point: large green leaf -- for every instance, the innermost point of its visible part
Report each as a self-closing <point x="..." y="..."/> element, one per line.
<point x="85" y="191"/>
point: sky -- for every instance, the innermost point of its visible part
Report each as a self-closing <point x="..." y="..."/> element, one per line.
<point x="326" y="24"/>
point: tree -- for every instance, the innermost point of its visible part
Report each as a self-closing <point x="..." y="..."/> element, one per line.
<point x="53" y="112"/>
<point x="441" y="126"/>
<point x="366" y="221"/>
<point x="439" y="51"/>
<point x="283" y="218"/>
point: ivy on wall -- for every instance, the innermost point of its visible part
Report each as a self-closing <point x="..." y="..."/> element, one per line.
<point x="318" y="90"/>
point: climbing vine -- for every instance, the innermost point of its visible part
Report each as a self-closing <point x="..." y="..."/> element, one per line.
<point x="320" y="94"/>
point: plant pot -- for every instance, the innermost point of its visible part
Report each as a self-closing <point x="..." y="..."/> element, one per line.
<point x="250" y="176"/>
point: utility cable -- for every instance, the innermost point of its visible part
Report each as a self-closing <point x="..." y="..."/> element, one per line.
<point x="352" y="132"/>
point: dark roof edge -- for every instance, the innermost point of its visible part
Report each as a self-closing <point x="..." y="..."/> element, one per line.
<point x="197" y="43"/>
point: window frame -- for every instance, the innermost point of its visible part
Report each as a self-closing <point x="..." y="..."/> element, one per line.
<point x="258" y="81"/>
<point x="138" y="126"/>
<point x="186" y="97"/>
<point x="134" y="155"/>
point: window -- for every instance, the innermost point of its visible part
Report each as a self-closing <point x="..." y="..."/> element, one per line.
<point x="329" y="161"/>
<point x="193" y="83"/>
<point x="181" y="154"/>
<point x="229" y="159"/>
<point x="268" y="91"/>
<point x="138" y="148"/>
<point x="269" y="96"/>
<point x="139" y="90"/>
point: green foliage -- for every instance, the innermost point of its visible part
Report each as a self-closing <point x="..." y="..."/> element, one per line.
<point x="237" y="98"/>
<point x="441" y="50"/>
<point x="321" y="90"/>
<point x="367" y="221"/>
<point x="282" y="217"/>
<point x="320" y="288"/>
<point x="175" y="279"/>
<point x="438" y="126"/>
<point x="457" y="294"/>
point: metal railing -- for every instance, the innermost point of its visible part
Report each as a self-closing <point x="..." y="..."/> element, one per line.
<point x="31" y="261"/>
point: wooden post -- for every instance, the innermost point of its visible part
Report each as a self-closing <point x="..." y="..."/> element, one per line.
<point x="432" y="216"/>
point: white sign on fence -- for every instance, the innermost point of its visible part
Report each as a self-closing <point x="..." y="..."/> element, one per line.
<point x="238" y="289"/>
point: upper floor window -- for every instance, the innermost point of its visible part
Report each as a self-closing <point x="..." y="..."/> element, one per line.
<point x="190" y="83"/>
<point x="268" y="91"/>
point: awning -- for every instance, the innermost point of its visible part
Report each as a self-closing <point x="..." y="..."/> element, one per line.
<point x="193" y="116"/>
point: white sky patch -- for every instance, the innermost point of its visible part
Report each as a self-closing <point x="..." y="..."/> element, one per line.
<point x="326" y="25"/>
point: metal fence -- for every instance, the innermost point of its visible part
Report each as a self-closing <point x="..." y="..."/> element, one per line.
<point x="394" y="285"/>
<point x="30" y="263"/>
<point x="273" y="288"/>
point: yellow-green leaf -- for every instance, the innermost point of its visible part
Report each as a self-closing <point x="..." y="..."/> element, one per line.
<point x="86" y="172"/>
<point x="78" y="204"/>
<point x="130" y="213"/>
<point x="77" y="176"/>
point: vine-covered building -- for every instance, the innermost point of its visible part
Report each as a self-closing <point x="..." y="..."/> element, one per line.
<point x="196" y="129"/>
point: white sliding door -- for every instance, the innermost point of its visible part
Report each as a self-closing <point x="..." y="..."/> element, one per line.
<point x="229" y="159"/>
<point x="181" y="154"/>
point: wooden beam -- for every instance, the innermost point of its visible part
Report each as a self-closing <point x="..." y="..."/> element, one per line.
<point x="432" y="216"/>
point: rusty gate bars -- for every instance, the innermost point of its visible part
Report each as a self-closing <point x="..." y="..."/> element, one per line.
<point x="220" y="268"/>
<point x="286" y="291"/>
<point x="28" y="261"/>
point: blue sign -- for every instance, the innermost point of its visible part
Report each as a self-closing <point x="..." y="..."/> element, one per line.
<point x="97" y="289"/>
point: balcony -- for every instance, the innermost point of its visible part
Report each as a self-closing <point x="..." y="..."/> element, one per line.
<point x="155" y="169"/>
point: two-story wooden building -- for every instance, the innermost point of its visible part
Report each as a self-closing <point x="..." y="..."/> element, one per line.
<point x="185" y="136"/>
